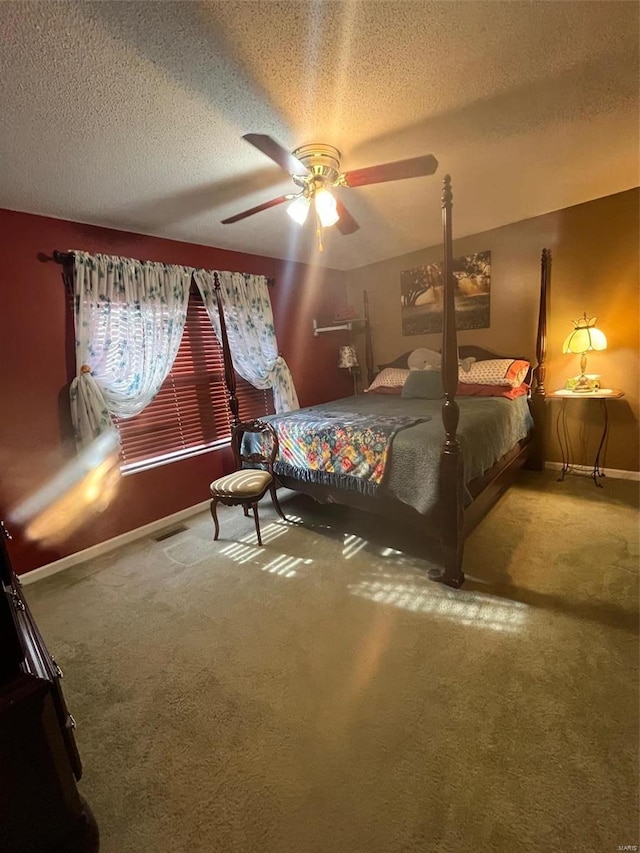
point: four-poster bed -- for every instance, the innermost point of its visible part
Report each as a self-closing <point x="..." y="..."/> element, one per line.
<point x="447" y="490"/>
<point x="460" y="502"/>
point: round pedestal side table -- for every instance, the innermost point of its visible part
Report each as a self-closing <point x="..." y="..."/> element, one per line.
<point x="603" y="395"/>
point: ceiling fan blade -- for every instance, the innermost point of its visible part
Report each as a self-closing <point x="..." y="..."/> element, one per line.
<point x="413" y="168"/>
<point x="264" y="206"/>
<point x="277" y="153"/>
<point x="346" y="224"/>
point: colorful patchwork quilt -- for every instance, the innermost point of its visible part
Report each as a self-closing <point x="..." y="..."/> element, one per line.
<point x="346" y="449"/>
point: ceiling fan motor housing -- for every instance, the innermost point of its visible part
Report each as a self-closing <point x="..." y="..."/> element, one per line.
<point x="322" y="161"/>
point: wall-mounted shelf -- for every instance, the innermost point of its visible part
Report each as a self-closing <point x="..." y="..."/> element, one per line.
<point x="337" y="327"/>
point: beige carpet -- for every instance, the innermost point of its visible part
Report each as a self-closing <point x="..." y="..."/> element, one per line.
<point x="320" y="695"/>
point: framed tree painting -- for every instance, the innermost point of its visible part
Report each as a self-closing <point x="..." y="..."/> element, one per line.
<point x="421" y="295"/>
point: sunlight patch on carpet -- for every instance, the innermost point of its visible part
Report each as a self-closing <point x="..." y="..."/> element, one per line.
<point x="269" y="533"/>
<point x="246" y="550"/>
<point x="285" y="566"/>
<point x="479" y="611"/>
<point x="240" y="553"/>
<point x="352" y="544"/>
<point x="388" y="552"/>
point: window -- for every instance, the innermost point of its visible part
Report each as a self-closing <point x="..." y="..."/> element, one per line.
<point x="190" y="414"/>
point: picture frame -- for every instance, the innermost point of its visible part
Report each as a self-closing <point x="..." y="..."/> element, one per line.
<point x="421" y="295"/>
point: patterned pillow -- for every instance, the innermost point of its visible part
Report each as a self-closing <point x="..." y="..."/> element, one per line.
<point x="495" y="371"/>
<point x="390" y="376"/>
<point x="465" y="389"/>
<point x="386" y="389"/>
<point x="465" y="363"/>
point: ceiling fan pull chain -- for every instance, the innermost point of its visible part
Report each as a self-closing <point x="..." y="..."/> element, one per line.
<point x="319" y="232"/>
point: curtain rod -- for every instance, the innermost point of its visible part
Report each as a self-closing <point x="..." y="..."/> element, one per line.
<point x="66" y="258"/>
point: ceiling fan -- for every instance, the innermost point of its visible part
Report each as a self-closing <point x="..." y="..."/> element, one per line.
<point x="315" y="168"/>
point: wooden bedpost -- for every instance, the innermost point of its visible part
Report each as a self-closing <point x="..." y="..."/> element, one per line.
<point x="229" y="373"/>
<point x="451" y="459"/>
<point x="367" y="338"/>
<point x="538" y="407"/>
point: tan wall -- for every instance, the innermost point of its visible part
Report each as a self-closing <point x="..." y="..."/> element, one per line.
<point x="595" y="250"/>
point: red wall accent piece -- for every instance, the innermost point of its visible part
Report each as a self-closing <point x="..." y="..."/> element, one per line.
<point x="37" y="363"/>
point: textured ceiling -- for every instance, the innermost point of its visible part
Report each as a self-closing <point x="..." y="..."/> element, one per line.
<point x="130" y="115"/>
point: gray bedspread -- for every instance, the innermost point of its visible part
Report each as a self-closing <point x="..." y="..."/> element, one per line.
<point x="489" y="427"/>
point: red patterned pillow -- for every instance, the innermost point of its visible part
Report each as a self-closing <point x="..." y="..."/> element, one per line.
<point x="468" y="390"/>
<point x="495" y="371"/>
<point x="516" y="373"/>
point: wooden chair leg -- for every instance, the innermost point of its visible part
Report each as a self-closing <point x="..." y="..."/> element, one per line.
<point x="257" y="521"/>
<point x="245" y="509"/>
<point x="276" y="502"/>
<point x="214" y="515"/>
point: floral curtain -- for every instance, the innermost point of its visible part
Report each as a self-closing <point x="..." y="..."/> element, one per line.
<point x="250" y="331"/>
<point x="129" y="319"/>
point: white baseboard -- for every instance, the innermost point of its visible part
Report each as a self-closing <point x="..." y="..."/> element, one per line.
<point x="612" y="473"/>
<point x="110" y="544"/>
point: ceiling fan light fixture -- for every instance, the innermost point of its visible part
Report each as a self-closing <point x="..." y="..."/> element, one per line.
<point x="315" y="170"/>
<point x="326" y="207"/>
<point x="298" y="210"/>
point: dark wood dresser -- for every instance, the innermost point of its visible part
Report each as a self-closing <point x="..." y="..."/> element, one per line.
<point x="41" y="810"/>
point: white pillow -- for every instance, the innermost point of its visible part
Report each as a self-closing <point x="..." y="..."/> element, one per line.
<point x="424" y="359"/>
<point x="390" y="377"/>
<point x="495" y="371"/>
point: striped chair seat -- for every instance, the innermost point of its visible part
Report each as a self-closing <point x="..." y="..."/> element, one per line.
<point x="246" y="483"/>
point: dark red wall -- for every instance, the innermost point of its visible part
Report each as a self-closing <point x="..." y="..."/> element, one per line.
<point x="37" y="363"/>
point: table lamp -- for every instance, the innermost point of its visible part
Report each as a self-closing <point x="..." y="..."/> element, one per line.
<point x="584" y="338"/>
<point x="349" y="359"/>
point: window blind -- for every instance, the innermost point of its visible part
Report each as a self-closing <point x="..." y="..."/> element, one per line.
<point x="190" y="414"/>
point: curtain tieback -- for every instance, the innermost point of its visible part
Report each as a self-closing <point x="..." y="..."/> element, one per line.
<point x="85" y="369"/>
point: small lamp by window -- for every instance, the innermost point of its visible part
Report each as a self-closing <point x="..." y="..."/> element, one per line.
<point x="584" y="338"/>
<point x="349" y="359"/>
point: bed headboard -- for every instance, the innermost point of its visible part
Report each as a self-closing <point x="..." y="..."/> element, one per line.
<point x="479" y="353"/>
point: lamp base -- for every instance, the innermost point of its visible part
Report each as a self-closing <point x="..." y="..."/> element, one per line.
<point x="584" y="384"/>
<point x="355" y="373"/>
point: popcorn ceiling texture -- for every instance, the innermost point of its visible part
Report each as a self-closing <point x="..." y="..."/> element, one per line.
<point x="130" y="115"/>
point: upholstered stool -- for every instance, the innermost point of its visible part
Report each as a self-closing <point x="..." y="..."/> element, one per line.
<point x="247" y="486"/>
